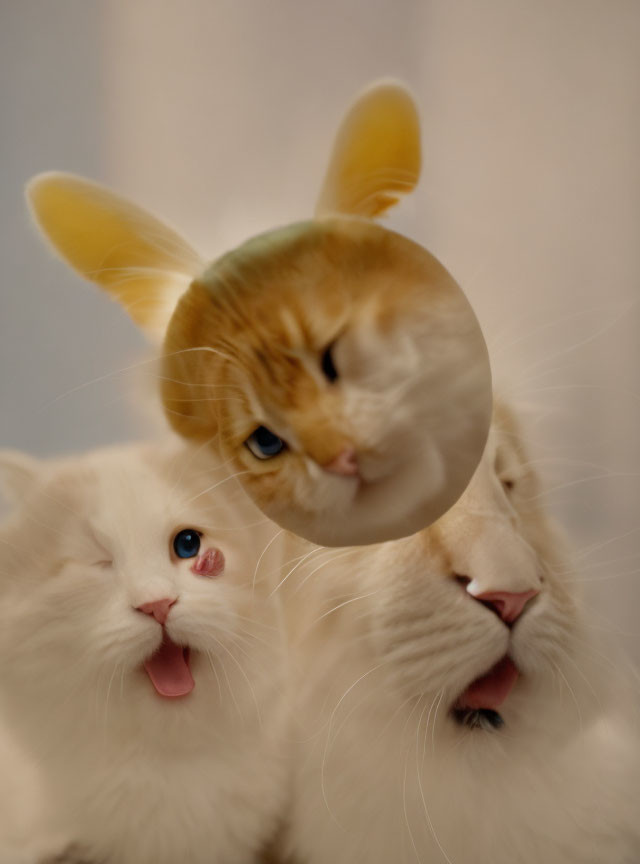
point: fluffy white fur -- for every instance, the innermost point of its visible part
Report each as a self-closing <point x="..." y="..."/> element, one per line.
<point x="130" y="777"/>
<point x="388" y="639"/>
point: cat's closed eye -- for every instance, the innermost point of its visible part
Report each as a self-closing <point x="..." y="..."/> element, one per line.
<point x="328" y="366"/>
<point x="507" y="470"/>
<point x="264" y="444"/>
<point x="100" y="553"/>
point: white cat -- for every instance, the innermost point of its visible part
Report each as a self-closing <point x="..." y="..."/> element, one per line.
<point x="453" y="703"/>
<point x="142" y="662"/>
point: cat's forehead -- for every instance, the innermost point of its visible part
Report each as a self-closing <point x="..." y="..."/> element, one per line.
<point x="102" y="488"/>
<point x="159" y="489"/>
<point x="142" y="485"/>
<point x="328" y="263"/>
<point x="308" y="287"/>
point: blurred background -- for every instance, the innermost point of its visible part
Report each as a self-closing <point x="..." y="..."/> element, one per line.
<point x="218" y="115"/>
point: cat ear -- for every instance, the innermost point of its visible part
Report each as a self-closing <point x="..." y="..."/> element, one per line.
<point x="130" y="254"/>
<point x="18" y="474"/>
<point x="376" y="154"/>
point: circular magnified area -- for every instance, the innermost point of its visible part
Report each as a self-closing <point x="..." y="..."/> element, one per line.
<point x="353" y="395"/>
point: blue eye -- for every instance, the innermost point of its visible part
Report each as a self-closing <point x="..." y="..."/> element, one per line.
<point x="186" y="544"/>
<point x="264" y="444"/>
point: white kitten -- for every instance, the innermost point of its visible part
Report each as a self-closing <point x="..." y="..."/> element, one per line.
<point x="141" y="667"/>
<point x="436" y="727"/>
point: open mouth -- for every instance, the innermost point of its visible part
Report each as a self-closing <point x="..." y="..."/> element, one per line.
<point x="478" y="705"/>
<point x="169" y="669"/>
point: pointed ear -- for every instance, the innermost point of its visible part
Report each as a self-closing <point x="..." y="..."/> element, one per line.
<point x="18" y="474"/>
<point x="376" y="154"/>
<point x="137" y="260"/>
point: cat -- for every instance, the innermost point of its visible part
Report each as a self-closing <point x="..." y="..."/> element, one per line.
<point x="336" y="363"/>
<point x="453" y="703"/>
<point x="142" y="663"/>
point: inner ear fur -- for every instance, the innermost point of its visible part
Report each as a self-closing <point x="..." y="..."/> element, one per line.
<point x="134" y="257"/>
<point x="376" y="154"/>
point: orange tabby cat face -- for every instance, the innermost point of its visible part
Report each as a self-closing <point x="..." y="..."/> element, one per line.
<point x="341" y="369"/>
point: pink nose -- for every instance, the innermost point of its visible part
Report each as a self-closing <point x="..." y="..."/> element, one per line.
<point x="508" y="606"/>
<point x="345" y="463"/>
<point x="158" y="608"/>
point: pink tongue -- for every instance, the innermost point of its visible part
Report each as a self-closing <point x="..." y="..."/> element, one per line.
<point x="492" y="689"/>
<point x="169" y="670"/>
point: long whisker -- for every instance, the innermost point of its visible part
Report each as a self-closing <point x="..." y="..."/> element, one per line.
<point x="594" y="547"/>
<point x="244" y="675"/>
<point x="581" y="481"/>
<point x="435" y="720"/>
<point x="404" y="807"/>
<point x="419" y="770"/>
<point x="571" y="691"/>
<point x="548" y="324"/>
<point x="213" y="669"/>
<point x="294" y="568"/>
<point x="341" y="605"/>
<point x="324" y="564"/>
<point x="329" y="727"/>
<point x="262" y="554"/>
<point x="230" y="688"/>
<point x="568" y="656"/>
<point x="215" y="486"/>
<point x="426" y="728"/>
<point x="106" y="701"/>
<point x="130" y="368"/>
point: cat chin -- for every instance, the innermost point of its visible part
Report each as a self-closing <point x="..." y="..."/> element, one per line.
<point x="354" y="512"/>
<point x="526" y="703"/>
<point x="358" y="513"/>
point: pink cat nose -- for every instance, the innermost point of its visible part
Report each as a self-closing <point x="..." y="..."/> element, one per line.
<point x="508" y="606"/>
<point x="345" y="463"/>
<point x="158" y="608"/>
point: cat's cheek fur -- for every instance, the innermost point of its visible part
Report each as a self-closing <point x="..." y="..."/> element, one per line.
<point x="317" y="491"/>
<point x="385" y="644"/>
<point x="436" y="646"/>
<point x="546" y="635"/>
<point x="354" y="505"/>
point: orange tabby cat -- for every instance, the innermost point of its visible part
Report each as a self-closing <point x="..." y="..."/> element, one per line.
<point x="335" y="363"/>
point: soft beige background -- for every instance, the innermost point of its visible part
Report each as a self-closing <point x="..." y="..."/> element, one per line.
<point x="218" y="114"/>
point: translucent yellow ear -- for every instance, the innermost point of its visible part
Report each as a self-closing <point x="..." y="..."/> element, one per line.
<point x="376" y="154"/>
<point x="137" y="260"/>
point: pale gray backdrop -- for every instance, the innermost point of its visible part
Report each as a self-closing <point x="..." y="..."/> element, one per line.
<point x="218" y="114"/>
